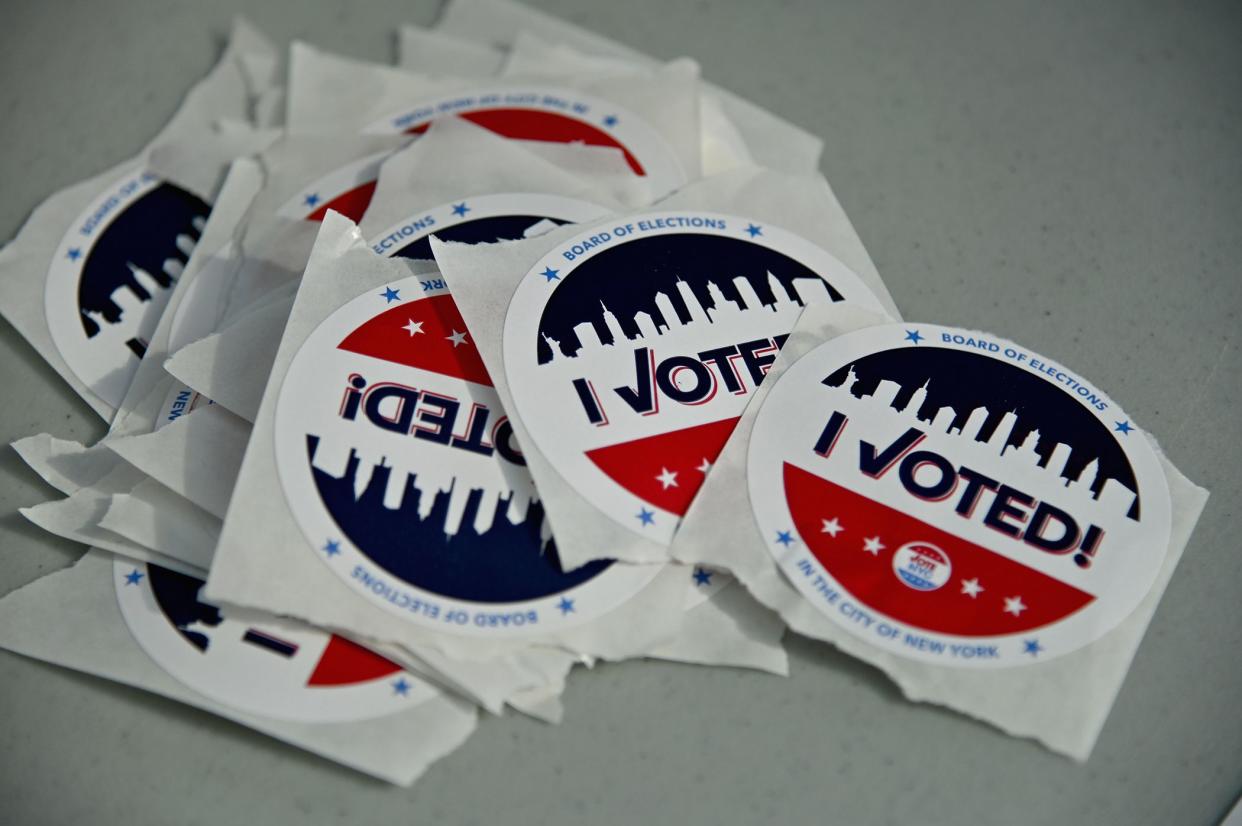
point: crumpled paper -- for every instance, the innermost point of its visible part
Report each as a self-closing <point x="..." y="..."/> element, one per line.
<point x="80" y="516"/>
<point x="721" y="145"/>
<point x="258" y="272"/>
<point x="454" y="162"/>
<point x="774" y="143"/>
<point x="197" y="455"/>
<point x="285" y="577"/>
<point x="1061" y="702"/>
<point x="71" y="618"/>
<point x="192" y="454"/>
<point x="430" y="52"/>
<point x="93" y="476"/>
<point x="483" y="278"/>
<point x="214" y="119"/>
<point x="656" y="116"/>
<point x="202" y="465"/>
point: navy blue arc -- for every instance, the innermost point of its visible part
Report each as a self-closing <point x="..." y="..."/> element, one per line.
<point x="476" y="231"/>
<point x="144" y="236"/>
<point x="965" y="382"/>
<point x="508" y="562"/>
<point x="686" y="275"/>
<point x="177" y="597"/>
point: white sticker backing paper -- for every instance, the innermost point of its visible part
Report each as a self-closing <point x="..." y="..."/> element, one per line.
<point x="148" y="627"/>
<point x="625" y="350"/>
<point x="655" y="124"/>
<point x="986" y="526"/>
<point x="335" y="477"/>
<point x="773" y="142"/>
<point x="88" y="276"/>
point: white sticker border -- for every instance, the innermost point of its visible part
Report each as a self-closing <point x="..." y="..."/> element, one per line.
<point x="336" y="183"/>
<point x="108" y="382"/>
<point x="766" y="492"/>
<point x="566" y="609"/>
<point x="423" y="223"/>
<point x="243" y="692"/>
<point x="533" y="293"/>
<point x="660" y="163"/>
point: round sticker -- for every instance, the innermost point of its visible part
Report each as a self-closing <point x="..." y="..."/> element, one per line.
<point x="539" y="113"/>
<point x="270" y="667"/>
<point x="632" y="349"/>
<point x="951" y="497"/>
<point x="112" y="274"/>
<point x="403" y="473"/>
<point x="480" y="219"/>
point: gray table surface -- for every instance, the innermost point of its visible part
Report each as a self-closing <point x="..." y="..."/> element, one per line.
<point x="1067" y="174"/>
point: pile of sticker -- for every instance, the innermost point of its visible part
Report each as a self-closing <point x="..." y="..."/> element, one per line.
<point x="427" y="383"/>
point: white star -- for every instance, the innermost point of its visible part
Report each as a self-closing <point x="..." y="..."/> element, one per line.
<point x="1013" y="605"/>
<point x="704" y="466"/>
<point x="873" y="546"/>
<point x="457" y="338"/>
<point x="972" y="588"/>
<point x="667" y="478"/>
<point x="832" y="526"/>
<point x="413" y="327"/>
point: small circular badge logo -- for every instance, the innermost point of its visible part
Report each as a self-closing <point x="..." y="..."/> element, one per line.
<point x="952" y="497"/>
<point x="112" y="274"/>
<point x="632" y="349"/>
<point x="400" y="467"/>
<point x="273" y="668"/>
<point x="921" y="566"/>
<point x="545" y="113"/>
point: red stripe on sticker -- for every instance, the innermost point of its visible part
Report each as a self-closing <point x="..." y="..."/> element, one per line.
<point x="667" y="469"/>
<point x="428" y="334"/>
<point x="919" y="574"/>
<point x="539" y="125"/>
<point x="352" y="204"/>
<point x="347" y="663"/>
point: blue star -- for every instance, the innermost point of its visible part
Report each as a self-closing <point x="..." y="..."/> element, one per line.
<point x="610" y="121"/>
<point x="551" y="274"/>
<point x="913" y="335"/>
<point x="1032" y="647"/>
<point x="390" y="294"/>
<point x="74" y="254"/>
<point x="311" y="199"/>
<point x="332" y="548"/>
<point x="461" y="209"/>
<point x="566" y="605"/>
<point x="702" y="576"/>
<point x="785" y="538"/>
<point x="646" y="517"/>
<point x="401" y="687"/>
<point x="133" y="577"/>
<point x="754" y="230"/>
<point x="1123" y="427"/>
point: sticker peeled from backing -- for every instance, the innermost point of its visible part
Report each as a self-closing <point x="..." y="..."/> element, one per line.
<point x="113" y="273"/>
<point x="539" y="113"/>
<point x="951" y="497"/>
<point x="402" y="472"/>
<point x="269" y="667"/>
<point x="632" y="349"/>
